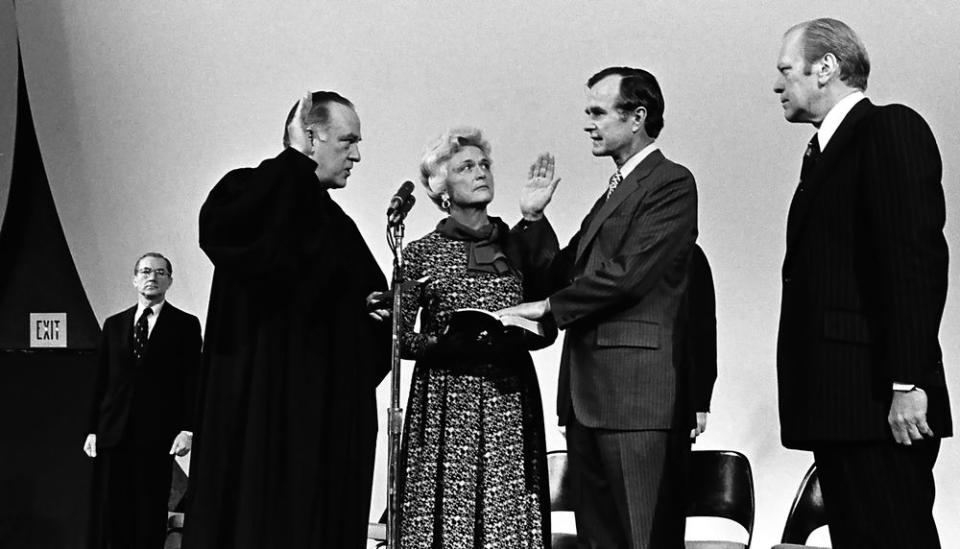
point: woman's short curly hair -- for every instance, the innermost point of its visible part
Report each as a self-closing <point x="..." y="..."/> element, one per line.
<point x="433" y="164"/>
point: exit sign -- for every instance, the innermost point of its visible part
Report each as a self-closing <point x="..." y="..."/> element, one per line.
<point x="48" y="330"/>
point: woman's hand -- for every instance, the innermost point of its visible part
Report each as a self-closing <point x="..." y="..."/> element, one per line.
<point x="539" y="188"/>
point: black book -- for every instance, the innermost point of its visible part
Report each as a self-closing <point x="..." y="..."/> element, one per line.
<point x="478" y="322"/>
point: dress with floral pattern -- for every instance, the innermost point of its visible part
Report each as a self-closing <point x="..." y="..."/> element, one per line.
<point x="473" y="465"/>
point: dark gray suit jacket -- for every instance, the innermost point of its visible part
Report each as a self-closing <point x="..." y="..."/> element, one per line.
<point x="618" y="289"/>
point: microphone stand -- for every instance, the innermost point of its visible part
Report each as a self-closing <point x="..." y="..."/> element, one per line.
<point x="395" y="412"/>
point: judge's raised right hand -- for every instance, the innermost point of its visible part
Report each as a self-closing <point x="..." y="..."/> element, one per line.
<point x="539" y="188"/>
<point x="90" y="445"/>
<point x="297" y="129"/>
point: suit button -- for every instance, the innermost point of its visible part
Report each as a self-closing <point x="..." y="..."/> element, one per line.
<point x="786" y="280"/>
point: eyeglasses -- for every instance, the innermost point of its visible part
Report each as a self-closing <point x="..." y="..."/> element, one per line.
<point x="147" y="271"/>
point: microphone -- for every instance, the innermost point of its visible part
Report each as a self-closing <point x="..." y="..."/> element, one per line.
<point x="400" y="198"/>
<point x="400" y="214"/>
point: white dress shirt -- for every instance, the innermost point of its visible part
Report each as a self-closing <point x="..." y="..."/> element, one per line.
<point x="636" y="159"/>
<point x="152" y="319"/>
<point x="835" y="117"/>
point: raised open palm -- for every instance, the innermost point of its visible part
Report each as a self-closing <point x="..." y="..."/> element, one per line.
<point x="540" y="185"/>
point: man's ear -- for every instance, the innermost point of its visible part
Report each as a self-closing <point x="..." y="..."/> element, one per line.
<point x="639" y="118"/>
<point x="829" y="68"/>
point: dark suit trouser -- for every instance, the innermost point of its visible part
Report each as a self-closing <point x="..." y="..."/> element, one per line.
<point x="879" y="494"/>
<point x="629" y="486"/>
<point x="138" y="489"/>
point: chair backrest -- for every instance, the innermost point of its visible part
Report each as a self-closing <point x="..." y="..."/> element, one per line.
<point x="720" y="484"/>
<point x="561" y="495"/>
<point x="807" y="512"/>
<point x="178" y="489"/>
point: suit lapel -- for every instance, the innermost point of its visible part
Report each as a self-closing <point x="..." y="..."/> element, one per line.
<point x="162" y="328"/>
<point x="630" y="185"/>
<point x="587" y="223"/>
<point x="836" y="149"/>
<point x="126" y="331"/>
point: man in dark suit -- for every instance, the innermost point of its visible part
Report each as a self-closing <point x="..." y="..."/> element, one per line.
<point x="142" y="411"/>
<point x="700" y="339"/>
<point x="618" y="290"/>
<point x="860" y="372"/>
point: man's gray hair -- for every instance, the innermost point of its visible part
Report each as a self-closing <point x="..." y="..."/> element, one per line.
<point x="156" y="255"/>
<point x="823" y="36"/>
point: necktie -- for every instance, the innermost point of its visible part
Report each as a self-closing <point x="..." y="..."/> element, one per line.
<point x="615" y="180"/>
<point x="810" y="158"/>
<point x="141" y="333"/>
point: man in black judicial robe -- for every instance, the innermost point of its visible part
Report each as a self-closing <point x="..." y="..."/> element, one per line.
<point x="285" y="450"/>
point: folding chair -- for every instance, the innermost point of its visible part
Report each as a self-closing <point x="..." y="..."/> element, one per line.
<point x="806" y="514"/>
<point x="720" y="484"/>
<point x="561" y="497"/>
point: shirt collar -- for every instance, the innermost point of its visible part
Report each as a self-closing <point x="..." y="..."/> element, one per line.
<point x="835" y="117"/>
<point x="156" y="309"/>
<point x="636" y="159"/>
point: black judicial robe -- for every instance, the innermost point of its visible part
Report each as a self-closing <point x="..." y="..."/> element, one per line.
<point x="284" y="453"/>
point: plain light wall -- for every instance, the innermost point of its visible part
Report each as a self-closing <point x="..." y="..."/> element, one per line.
<point x="140" y="108"/>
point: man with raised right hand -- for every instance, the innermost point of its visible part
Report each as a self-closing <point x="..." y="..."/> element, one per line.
<point x="617" y="289"/>
<point x="284" y="453"/>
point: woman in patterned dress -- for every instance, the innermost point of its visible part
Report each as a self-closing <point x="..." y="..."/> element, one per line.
<point x="472" y="464"/>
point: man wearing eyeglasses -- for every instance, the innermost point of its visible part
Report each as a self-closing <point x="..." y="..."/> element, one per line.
<point x="143" y="406"/>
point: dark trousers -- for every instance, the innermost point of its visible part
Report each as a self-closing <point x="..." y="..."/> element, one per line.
<point x="629" y="487"/>
<point x="137" y="491"/>
<point x="879" y="494"/>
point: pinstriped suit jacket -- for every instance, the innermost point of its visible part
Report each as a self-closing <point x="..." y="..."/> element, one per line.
<point x="620" y="282"/>
<point x="864" y="281"/>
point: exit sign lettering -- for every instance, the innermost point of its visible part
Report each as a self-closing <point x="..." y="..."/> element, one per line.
<point x="48" y="330"/>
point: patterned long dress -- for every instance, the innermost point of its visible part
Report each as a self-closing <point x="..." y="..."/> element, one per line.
<point x="472" y="466"/>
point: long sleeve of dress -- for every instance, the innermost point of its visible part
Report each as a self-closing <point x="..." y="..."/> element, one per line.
<point x="412" y="344"/>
